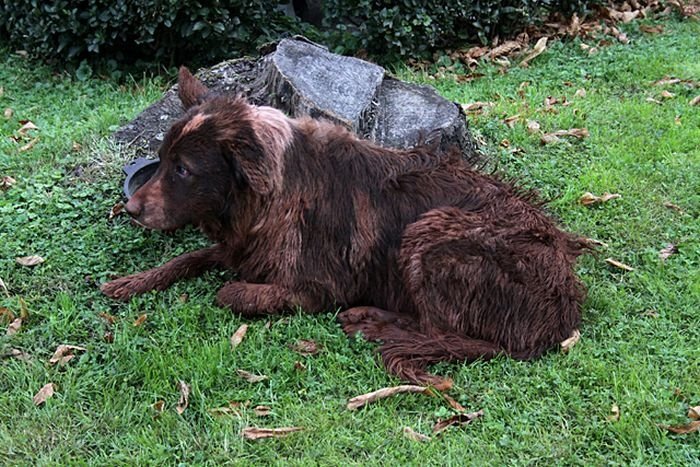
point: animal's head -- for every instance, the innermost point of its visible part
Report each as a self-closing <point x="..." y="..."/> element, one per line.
<point x="222" y="151"/>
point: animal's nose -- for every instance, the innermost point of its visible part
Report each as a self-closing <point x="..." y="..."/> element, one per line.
<point x="134" y="207"/>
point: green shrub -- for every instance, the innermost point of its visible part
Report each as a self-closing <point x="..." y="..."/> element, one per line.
<point x="392" y="30"/>
<point x="164" y="32"/>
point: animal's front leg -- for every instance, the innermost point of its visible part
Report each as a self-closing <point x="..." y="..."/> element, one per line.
<point x="256" y="299"/>
<point x="160" y="278"/>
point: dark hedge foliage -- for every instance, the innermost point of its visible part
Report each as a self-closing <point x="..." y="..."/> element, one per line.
<point x="164" y="32"/>
<point x="412" y="28"/>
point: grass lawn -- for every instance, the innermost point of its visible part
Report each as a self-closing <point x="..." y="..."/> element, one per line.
<point x="640" y="346"/>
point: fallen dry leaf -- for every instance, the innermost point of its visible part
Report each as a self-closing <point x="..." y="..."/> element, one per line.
<point x="554" y="137"/>
<point x="18" y="354"/>
<point x="116" y="210"/>
<point x="571" y="341"/>
<point x="7" y="113"/>
<point x="43" y="394"/>
<point x="306" y="347"/>
<point x="504" y="143"/>
<point x="549" y="138"/>
<point x="685" y="429"/>
<point x="622" y="37"/>
<point x="667" y="80"/>
<point x="506" y="48"/>
<point x="674" y="207"/>
<point x="108" y="318"/>
<point x="65" y="353"/>
<point x="184" y="397"/>
<point x="14" y="327"/>
<point x="364" y="399"/>
<point x="29" y="145"/>
<point x="140" y="320"/>
<point x="254" y="433"/>
<point x="533" y="126"/>
<point x="262" y="410"/>
<point x="476" y="107"/>
<point x="6" y="315"/>
<point x="695" y="100"/>
<point x="624" y="16"/>
<point x="653" y="101"/>
<point x="233" y="408"/>
<point x="453" y="403"/>
<point x="459" y="419"/>
<point x="29" y="261"/>
<point x="588" y="198"/>
<point x="580" y="93"/>
<point x="614" y="413"/>
<point x="594" y="242"/>
<point x="238" y="336"/>
<point x="539" y="47"/>
<point x="409" y="433"/>
<point x="6" y="182"/>
<point x="667" y="251"/>
<point x="651" y="29"/>
<point x="28" y="126"/>
<point x="158" y="406"/>
<point x="183" y="298"/>
<point x="619" y="265"/>
<point x="250" y="377"/>
<point x="694" y="413"/>
<point x="511" y="121"/>
<point x="667" y="95"/>
<point x="76" y="146"/>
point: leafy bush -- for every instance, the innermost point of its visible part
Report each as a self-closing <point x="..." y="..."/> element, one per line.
<point x="399" y="29"/>
<point x="167" y="32"/>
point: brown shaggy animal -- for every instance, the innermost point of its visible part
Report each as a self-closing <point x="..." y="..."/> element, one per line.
<point x="436" y="261"/>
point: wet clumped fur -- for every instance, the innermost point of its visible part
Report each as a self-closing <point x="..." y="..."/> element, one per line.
<point x="432" y="259"/>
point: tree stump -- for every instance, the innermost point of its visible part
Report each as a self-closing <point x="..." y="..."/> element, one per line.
<point x="302" y="78"/>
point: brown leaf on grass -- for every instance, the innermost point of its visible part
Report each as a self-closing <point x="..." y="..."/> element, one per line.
<point x="262" y="410"/>
<point x="549" y="138"/>
<point x="43" y="394"/>
<point x="453" y="403"/>
<point x="554" y="137"/>
<point x="695" y="100"/>
<point x="250" y="377"/>
<point x="622" y="38"/>
<point x="477" y="52"/>
<point x="619" y="265"/>
<point x="238" y="336"/>
<point x="668" y="250"/>
<point x="108" y="337"/>
<point x="7" y="113"/>
<point x="539" y="47"/>
<point x="580" y="93"/>
<point x="667" y="95"/>
<point x="459" y="419"/>
<point x="14" y="327"/>
<point x="158" y="406"/>
<point x="409" y="433"/>
<point x="364" y="399"/>
<point x="29" y="145"/>
<point x="653" y="101"/>
<point x="116" y="210"/>
<point x="140" y="320"/>
<point x="624" y="16"/>
<point x="504" y="143"/>
<point x="684" y="429"/>
<point x="28" y="126"/>
<point x="511" y="121"/>
<point x="65" y="353"/>
<point x="614" y="413"/>
<point x="533" y="126"/>
<point x="76" y="146"/>
<point x="184" y="397"/>
<point x="506" y="48"/>
<point x="694" y="413"/>
<point x="109" y="319"/>
<point x="667" y="80"/>
<point x="651" y="29"/>
<point x="476" y="107"/>
<point x="6" y="315"/>
<point x="568" y="343"/>
<point x="306" y="347"/>
<point x="588" y="198"/>
<point x="29" y="261"/>
<point x="594" y="242"/>
<point x="6" y="182"/>
<point x="18" y="354"/>
<point x="674" y="207"/>
<point x="253" y="433"/>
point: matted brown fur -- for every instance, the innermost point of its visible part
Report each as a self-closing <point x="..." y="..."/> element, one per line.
<point x="431" y="258"/>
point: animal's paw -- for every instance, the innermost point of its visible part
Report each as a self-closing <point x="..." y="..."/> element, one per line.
<point x="125" y="287"/>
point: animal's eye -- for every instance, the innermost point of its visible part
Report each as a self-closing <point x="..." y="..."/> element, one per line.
<point x="182" y="171"/>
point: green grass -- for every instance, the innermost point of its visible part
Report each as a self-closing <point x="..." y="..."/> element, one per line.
<point x="550" y="411"/>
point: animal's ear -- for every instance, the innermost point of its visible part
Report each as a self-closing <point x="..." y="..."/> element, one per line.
<point x="262" y="171"/>
<point x="190" y="89"/>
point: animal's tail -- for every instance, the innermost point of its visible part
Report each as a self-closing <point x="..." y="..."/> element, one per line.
<point x="407" y="352"/>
